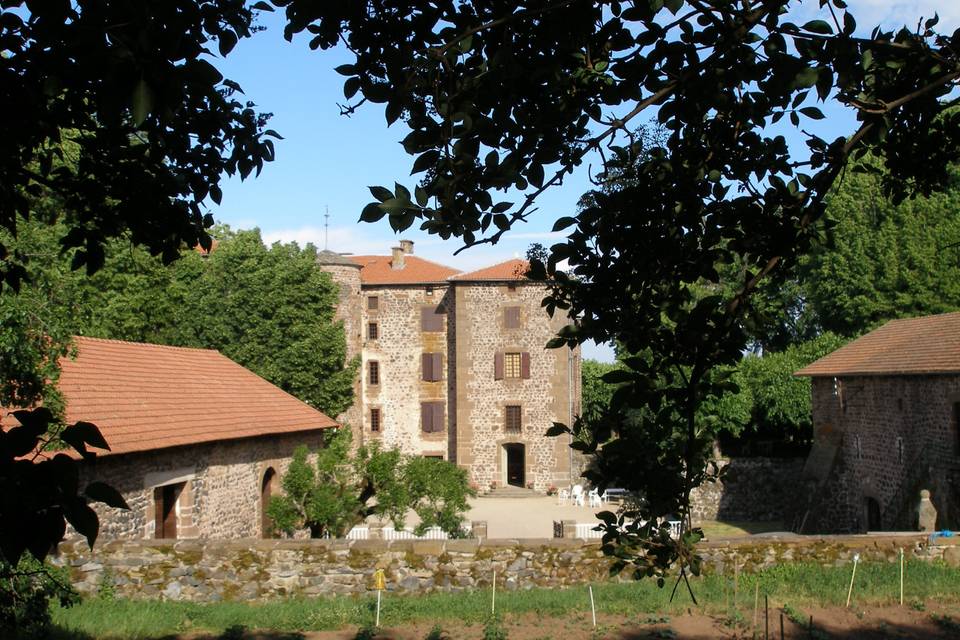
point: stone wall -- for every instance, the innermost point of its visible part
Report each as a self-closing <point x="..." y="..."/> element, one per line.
<point x="752" y="489"/>
<point x="892" y="436"/>
<point x="222" y="492"/>
<point x="261" y="569"/>
<point x="398" y="349"/>
<point x="545" y="397"/>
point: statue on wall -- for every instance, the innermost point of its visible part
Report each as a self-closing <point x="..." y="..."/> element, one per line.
<point x="926" y="512"/>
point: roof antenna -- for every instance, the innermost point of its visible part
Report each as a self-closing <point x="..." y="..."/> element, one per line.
<point x="326" y="227"/>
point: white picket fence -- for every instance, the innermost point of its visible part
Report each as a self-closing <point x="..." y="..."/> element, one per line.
<point x="588" y="532"/>
<point x="392" y="533"/>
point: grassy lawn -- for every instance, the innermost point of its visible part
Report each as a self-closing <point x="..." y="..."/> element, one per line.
<point x="796" y="584"/>
<point x="728" y="529"/>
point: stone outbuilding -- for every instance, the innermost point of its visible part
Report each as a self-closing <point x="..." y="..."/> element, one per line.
<point x="197" y="442"/>
<point x="454" y="365"/>
<point x="885" y="418"/>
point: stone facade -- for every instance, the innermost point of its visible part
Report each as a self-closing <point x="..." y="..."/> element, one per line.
<point x="219" y="486"/>
<point x="464" y="401"/>
<point x="545" y="397"/>
<point x="878" y="441"/>
<point x="249" y="570"/>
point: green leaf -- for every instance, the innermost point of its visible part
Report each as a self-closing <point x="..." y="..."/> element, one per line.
<point x="563" y="223"/>
<point x="425" y="161"/>
<point x="381" y="193"/>
<point x="84" y="433"/>
<point x="812" y="112"/>
<point x="372" y="212"/>
<point x="556" y="430"/>
<point x="84" y="519"/>
<point x="102" y="492"/>
<point x="226" y="42"/>
<point x="806" y="78"/>
<point x="818" y="26"/>
<point x="142" y="100"/>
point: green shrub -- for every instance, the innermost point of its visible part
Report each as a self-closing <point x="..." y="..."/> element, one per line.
<point x="25" y="595"/>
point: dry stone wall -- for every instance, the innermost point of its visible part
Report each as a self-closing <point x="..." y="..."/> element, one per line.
<point x="752" y="490"/>
<point x="208" y="571"/>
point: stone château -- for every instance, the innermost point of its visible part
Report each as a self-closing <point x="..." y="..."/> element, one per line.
<point x="454" y="365"/>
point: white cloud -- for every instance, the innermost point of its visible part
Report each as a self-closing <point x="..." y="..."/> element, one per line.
<point x="890" y="15"/>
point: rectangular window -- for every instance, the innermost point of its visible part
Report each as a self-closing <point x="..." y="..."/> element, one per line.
<point x="374" y="419"/>
<point x="511" y="318"/>
<point x="431" y="319"/>
<point x="373" y="369"/>
<point x="511" y="365"/>
<point x="372" y="331"/>
<point x="512" y="419"/>
<point x="373" y="303"/>
<point x="431" y="367"/>
<point x="431" y="417"/>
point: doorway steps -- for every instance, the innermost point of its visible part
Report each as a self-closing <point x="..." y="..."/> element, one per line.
<point x="511" y="491"/>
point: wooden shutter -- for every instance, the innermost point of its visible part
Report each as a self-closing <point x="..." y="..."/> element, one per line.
<point x="498" y="365"/>
<point x="437" y="367"/>
<point x="511" y="318"/>
<point x="426" y="417"/>
<point x="426" y="365"/>
<point x="525" y="364"/>
<point x="430" y="319"/>
<point x="437" y="417"/>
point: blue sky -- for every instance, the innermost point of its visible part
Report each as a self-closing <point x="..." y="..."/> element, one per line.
<point x="327" y="161"/>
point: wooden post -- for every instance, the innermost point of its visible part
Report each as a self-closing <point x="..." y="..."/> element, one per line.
<point x="756" y="605"/>
<point x="781" y="624"/>
<point x="493" y="595"/>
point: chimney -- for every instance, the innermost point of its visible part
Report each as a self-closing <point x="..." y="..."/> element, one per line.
<point x="397" y="262"/>
<point x="407" y="246"/>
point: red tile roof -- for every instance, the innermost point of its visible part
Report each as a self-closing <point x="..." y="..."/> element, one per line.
<point x="515" y="269"/>
<point x="914" y="346"/>
<point x="379" y="270"/>
<point x="146" y="396"/>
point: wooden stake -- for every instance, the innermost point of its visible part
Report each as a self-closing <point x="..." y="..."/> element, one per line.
<point x="856" y="558"/>
<point x="901" y="576"/>
<point x="377" y="623"/>
<point x="781" y="624"/>
<point x="756" y="605"/>
<point x="766" y="617"/>
<point x="493" y="595"/>
<point x="593" y="608"/>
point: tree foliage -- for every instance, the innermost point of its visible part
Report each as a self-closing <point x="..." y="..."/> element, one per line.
<point x="340" y="490"/>
<point x="514" y="95"/>
<point x="882" y="260"/>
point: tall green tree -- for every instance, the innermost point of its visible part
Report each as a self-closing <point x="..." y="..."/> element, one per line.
<point x="882" y="260"/>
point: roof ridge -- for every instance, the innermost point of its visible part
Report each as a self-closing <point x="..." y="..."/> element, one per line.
<point x="152" y="345"/>
<point x="466" y="274"/>
<point x="407" y="255"/>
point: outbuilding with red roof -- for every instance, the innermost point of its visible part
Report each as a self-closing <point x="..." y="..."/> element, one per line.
<point x="886" y="417"/>
<point x="197" y="442"/>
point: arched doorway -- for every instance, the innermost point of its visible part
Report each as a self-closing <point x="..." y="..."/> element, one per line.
<point x="873" y="515"/>
<point x="515" y="463"/>
<point x="266" y="491"/>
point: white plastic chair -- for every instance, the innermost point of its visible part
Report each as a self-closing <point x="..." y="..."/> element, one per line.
<point x="562" y="496"/>
<point x="593" y="498"/>
<point x="576" y="495"/>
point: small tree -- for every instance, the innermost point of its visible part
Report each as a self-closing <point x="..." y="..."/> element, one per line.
<point x="342" y="490"/>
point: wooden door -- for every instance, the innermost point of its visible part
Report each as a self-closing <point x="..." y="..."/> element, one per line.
<point x="165" y="499"/>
